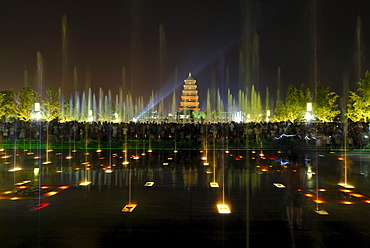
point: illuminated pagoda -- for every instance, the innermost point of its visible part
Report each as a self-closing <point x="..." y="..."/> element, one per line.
<point x="189" y="98"/>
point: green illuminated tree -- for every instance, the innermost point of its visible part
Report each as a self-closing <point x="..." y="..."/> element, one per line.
<point x="7" y="104"/>
<point x="26" y="100"/>
<point x="2" y="110"/>
<point x="293" y="107"/>
<point x="325" y="107"/>
<point x="359" y="102"/>
<point x="52" y="105"/>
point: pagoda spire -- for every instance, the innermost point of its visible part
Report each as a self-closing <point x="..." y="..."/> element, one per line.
<point x="189" y="98"/>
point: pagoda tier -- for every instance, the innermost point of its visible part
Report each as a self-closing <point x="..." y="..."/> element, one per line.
<point x="189" y="98"/>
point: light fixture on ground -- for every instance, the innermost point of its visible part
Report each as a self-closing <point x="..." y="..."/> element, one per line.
<point x="128" y="208"/>
<point x="149" y="184"/>
<point x="308" y="115"/>
<point x="214" y="184"/>
<point x="37" y="113"/>
<point x="279" y="185"/>
<point x="268" y="113"/>
<point x="321" y="212"/>
<point x="347" y="186"/>
<point x="85" y="183"/>
<point x="223" y="209"/>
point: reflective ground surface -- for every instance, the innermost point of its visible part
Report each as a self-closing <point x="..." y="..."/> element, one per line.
<point x="77" y="201"/>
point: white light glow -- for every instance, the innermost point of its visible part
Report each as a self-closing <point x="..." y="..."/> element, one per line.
<point x="308" y="116"/>
<point x="37" y="107"/>
<point x="309" y="107"/>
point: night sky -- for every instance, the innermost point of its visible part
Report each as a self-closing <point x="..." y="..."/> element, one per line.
<point x="202" y="37"/>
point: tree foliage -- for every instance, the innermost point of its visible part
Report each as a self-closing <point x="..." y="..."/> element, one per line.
<point x="7" y="104"/>
<point x="26" y="100"/>
<point x="359" y="101"/>
<point x="51" y="106"/>
<point x="325" y="107"/>
<point x="293" y="107"/>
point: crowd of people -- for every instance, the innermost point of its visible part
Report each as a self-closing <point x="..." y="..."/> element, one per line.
<point x="321" y="135"/>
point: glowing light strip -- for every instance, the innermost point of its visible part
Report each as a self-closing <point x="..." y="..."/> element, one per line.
<point x="288" y="135"/>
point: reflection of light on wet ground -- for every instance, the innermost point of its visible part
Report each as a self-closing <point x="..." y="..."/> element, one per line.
<point x="40" y="206"/>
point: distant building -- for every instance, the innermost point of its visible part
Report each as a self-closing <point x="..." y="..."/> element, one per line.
<point x="189" y="98"/>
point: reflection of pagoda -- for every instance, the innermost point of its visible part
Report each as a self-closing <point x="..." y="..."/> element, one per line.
<point x="189" y="98"/>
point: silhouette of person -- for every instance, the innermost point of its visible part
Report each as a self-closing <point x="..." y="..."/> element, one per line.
<point x="294" y="179"/>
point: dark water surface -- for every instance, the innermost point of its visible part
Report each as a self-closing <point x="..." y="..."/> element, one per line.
<point x="45" y="205"/>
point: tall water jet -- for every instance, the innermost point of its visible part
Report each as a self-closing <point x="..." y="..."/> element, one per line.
<point x="25" y="79"/>
<point x="173" y="105"/>
<point x="75" y="79"/>
<point x="227" y="78"/>
<point x="39" y="80"/>
<point x="245" y="74"/>
<point x="208" y="106"/>
<point x="135" y="46"/>
<point x="39" y="74"/>
<point x="87" y="79"/>
<point x="230" y="101"/>
<point x="345" y="94"/>
<point x="267" y="103"/>
<point x="65" y="75"/>
<point x="162" y="51"/>
<point x="255" y="60"/>
<point x="314" y="77"/>
<point x="124" y="81"/>
<point x="359" y="57"/>
<point x="278" y="90"/>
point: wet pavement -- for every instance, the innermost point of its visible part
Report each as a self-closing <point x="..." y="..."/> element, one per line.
<point x="180" y="209"/>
